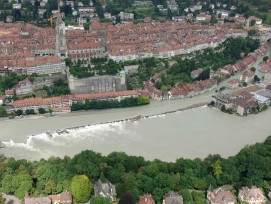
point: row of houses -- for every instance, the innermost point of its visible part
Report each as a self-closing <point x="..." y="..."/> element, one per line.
<point x="251" y="195"/>
<point x="101" y="188"/>
<point x="64" y="103"/>
<point x="248" y="61"/>
<point x="180" y="92"/>
<point x="38" y="65"/>
<point x="193" y="89"/>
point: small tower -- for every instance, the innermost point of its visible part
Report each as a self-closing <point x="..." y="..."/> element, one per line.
<point x="122" y="77"/>
<point x="61" y="45"/>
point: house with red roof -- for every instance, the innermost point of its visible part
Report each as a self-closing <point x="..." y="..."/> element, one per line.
<point x="146" y="199"/>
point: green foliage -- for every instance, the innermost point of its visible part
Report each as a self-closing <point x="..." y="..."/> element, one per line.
<point x="126" y="198"/>
<point x="252" y="32"/>
<point x="3" y="112"/>
<point x="7" y="82"/>
<point x="68" y="62"/>
<point x="133" y="174"/>
<point x="253" y="69"/>
<point x="59" y="87"/>
<point x="227" y="53"/>
<point x="81" y="188"/>
<point x="126" y="102"/>
<point x="265" y="58"/>
<point x="101" y="200"/>
<point x="217" y="169"/>
<point x="2" y="199"/>
<point x="30" y="112"/>
<point x="19" y="112"/>
<point x="17" y="184"/>
<point x="110" y="68"/>
<point x="41" y="110"/>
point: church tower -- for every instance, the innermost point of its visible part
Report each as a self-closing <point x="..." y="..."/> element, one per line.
<point x="61" y="45"/>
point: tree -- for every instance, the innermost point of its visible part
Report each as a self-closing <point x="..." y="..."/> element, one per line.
<point x="223" y="108"/>
<point x="217" y="169"/>
<point x="81" y="188"/>
<point x="2" y="199"/>
<point x="252" y="32"/>
<point x="252" y="22"/>
<point x="126" y="198"/>
<point x="3" y="112"/>
<point x="256" y="78"/>
<point x="30" y="112"/>
<point x="101" y="200"/>
<point x="253" y="69"/>
<point x="19" y="112"/>
<point x="265" y="58"/>
<point x="41" y="110"/>
<point x="68" y="62"/>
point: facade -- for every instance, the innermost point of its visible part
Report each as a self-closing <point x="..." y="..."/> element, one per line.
<point x="105" y="189"/>
<point x="252" y="195"/>
<point x="24" y="87"/>
<point x="65" y="102"/>
<point x="247" y="77"/>
<point x="38" y="65"/>
<point x="98" y="84"/>
<point x="224" y="100"/>
<point x="61" y="45"/>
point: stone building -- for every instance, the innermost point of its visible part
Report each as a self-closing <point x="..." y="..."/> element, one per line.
<point x="61" y="45"/>
<point x="98" y="84"/>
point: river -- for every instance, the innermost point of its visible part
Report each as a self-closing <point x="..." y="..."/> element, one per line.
<point x="192" y="133"/>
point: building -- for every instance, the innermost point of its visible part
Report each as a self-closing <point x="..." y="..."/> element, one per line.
<point x="23" y="87"/>
<point x="225" y="100"/>
<point x="233" y="83"/>
<point x="64" y="102"/>
<point x="98" y="84"/>
<point x="131" y="69"/>
<point x="172" y="198"/>
<point x="247" y="77"/>
<point x="62" y="198"/>
<point x="262" y="100"/>
<point x="61" y="45"/>
<point x="37" y="200"/>
<point x="146" y="199"/>
<point x="258" y="21"/>
<point x="126" y="16"/>
<point x="105" y="189"/>
<point x="252" y="195"/>
<point x="9" y="19"/>
<point x="220" y="197"/>
<point x="245" y="107"/>
<point x="38" y="65"/>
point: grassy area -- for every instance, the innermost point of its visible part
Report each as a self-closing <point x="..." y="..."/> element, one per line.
<point x="143" y="12"/>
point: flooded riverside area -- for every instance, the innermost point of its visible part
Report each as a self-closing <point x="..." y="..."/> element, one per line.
<point x="189" y="133"/>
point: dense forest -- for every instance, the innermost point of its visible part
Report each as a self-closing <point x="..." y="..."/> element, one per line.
<point x="133" y="174"/>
